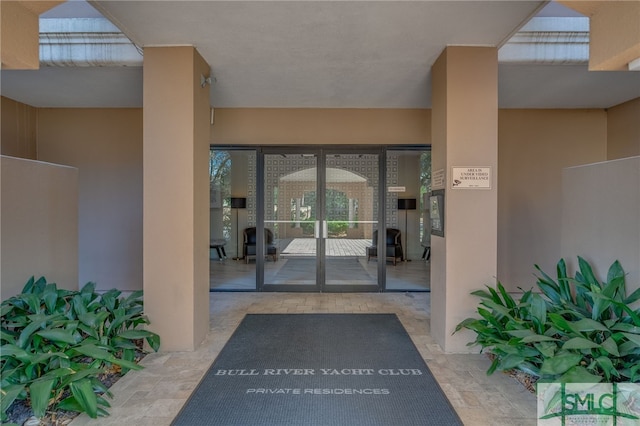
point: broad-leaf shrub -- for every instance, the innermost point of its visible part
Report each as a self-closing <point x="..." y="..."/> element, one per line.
<point x="55" y="343"/>
<point x="577" y="329"/>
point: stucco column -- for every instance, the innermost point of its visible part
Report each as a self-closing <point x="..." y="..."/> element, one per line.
<point x="176" y="196"/>
<point x="464" y="134"/>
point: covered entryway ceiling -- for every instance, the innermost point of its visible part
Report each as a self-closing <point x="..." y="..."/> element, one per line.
<point x="317" y="53"/>
<point x="321" y="54"/>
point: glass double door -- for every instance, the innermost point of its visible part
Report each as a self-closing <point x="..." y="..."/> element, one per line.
<point x="319" y="210"/>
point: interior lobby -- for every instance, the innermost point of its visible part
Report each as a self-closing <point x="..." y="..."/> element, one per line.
<point x="351" y="208"/>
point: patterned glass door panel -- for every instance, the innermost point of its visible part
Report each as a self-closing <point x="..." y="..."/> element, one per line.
<point x="351" y="211"/>
<point x="291" y="200"/>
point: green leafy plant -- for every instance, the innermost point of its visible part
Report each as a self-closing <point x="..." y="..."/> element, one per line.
<point x="308" y="226"/>
<point x="338" y="228"/>
<point x="577" y="329"/>
<point x="56" y="343"/>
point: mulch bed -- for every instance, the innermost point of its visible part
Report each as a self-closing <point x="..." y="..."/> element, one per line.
<point x="526" y="380"/>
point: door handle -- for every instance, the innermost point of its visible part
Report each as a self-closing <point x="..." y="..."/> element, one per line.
<point x="316" y="229"/>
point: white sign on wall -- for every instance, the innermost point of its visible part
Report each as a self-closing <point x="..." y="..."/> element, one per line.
<point x="437" y="179"/>
<point x="397" y="189"/>
<point x="471" y="177"/>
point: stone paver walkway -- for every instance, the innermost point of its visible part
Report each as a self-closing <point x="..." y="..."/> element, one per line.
<point x="155" y="395"/>
<point x="341" y="247"/>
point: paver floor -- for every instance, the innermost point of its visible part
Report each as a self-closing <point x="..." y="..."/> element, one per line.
<point x="154" y="396"/>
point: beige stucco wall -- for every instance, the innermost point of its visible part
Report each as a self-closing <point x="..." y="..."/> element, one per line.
<point x="614" y="33"/>
<point x="19" y="37"/>
<point x="106" y="147"/>
<point x="602" y="224"/>
<point x="39" y="224"/>
<point x="18" y="129"/>
<point x="623" y="130"/>
<point x="255" y="126"/>
<point x="534" y="147"/>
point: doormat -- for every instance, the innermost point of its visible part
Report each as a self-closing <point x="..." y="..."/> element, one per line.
<point x="318" y="369"/>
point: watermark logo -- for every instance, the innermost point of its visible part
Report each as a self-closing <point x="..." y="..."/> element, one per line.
<point x="569" y="404"/>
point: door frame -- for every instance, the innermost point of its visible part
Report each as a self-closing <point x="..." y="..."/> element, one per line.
<point x="321" y="153"/>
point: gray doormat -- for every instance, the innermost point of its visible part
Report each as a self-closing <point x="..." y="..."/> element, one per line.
<point x="318" y="369"/>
